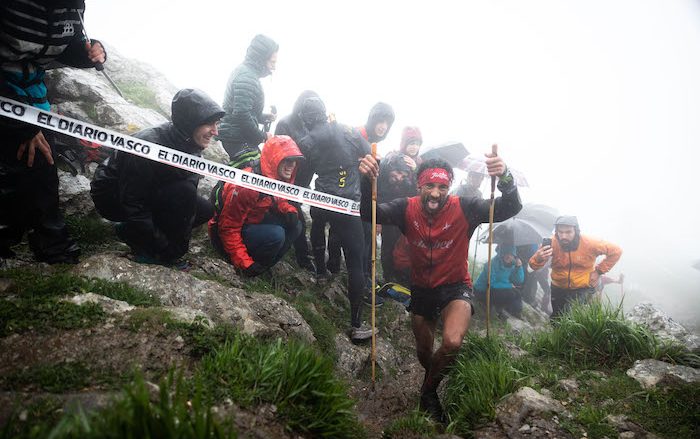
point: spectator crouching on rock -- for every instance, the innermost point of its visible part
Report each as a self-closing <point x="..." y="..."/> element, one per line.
<point x="156" y="205"/>
<point x="255" y="230"/>
<point x="507" y="277"/>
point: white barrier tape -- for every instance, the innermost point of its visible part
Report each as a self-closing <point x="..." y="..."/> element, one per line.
<point x="153" y="151"/>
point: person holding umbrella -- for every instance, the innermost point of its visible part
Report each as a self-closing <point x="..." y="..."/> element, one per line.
<point x="438" y="227"/>
<point x="575" y="273"/>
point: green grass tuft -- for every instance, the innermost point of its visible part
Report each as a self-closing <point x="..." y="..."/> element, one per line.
<point x="290" y="375"/>
<point x="416" y="424"/>
<point x="90" y="231"/>
<point x="59" y="378"/>
<point x="596" y="335"/>
<point x="482" y="374"/>
<point x="141" y="95"/>
<point x="173" y="414"/>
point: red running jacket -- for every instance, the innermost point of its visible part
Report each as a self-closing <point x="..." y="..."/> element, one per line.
<point x="245" y="206"/>
<point x="438" y="245"/>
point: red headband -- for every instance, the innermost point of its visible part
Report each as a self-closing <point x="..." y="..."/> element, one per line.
<point x="434" y="175"/>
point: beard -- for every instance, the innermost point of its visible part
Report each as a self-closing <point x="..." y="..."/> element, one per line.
<point x="433" y="205"/>
<point x="569" y="245"/>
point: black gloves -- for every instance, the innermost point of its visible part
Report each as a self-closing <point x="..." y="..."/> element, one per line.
<point x="254" y="270"/>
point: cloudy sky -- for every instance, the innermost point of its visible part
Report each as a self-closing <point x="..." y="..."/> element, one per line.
<point x="596" y="102"/>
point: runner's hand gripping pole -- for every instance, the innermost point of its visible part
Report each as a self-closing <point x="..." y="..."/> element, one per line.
<point x="374" y="265"/>
<point x="494" y="152"/>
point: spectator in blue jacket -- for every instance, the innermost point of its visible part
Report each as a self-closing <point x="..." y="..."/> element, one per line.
<point x="507" y="276"/>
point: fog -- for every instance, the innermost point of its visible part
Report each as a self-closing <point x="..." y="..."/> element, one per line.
<point x="596" y="102"/>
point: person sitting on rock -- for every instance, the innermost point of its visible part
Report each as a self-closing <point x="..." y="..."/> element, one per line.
<point x="156" y="205"/>
<point x="251" y="229"/>
<point x="507" y="275"/>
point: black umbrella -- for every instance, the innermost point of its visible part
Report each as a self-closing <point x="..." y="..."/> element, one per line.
<point x="452" y="152"/>
<point x="539" y="214"/>
<point x="517" y="231"/>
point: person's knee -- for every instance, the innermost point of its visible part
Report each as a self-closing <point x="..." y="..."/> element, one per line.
<point x="451" y="343"/>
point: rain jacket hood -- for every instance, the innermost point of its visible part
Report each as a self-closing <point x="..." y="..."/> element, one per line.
<point x="569" y="220"/>
<point x="313" y="112"/>
<point x="386" y="190"/>
<point x="259" y="51"/>
<point x="408" y="136"/>
<point x="192" y="108"/>
<point x="275" y="150"/>
<point x="380" y="112"/>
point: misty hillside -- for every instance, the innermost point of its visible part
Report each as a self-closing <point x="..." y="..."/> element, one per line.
<point x="113" y="348"/>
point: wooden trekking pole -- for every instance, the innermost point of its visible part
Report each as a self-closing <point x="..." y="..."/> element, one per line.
<point x="476" y="249"/>
<point x="374" y="265"/>
<point x="494" y="151"/>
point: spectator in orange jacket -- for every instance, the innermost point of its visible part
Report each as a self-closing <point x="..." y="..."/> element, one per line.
<point x="252" y="229"/>
<point x="575" y="273"/>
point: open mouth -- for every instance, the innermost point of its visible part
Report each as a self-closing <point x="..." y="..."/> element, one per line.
<point x="432" y="204"/>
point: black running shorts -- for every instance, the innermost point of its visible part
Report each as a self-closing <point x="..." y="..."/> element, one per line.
<point x="429" y="302"/>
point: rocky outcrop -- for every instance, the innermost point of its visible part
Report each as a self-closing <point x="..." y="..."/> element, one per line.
<point x="527" y="413"/>
<point x="654" y="373"/>
<point x="74" y="194"/>
<point x="252" y="313"/>
<point x="664" y="327"/>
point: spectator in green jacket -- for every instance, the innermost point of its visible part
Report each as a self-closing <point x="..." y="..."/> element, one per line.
<point x="240" y="131"/>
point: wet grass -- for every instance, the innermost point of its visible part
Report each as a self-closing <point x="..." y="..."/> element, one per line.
<point x="141" y="95"/>
<point x="291" y="375"/>
<point x="415" y="425"/>
<point x="597" y="335"/>
<point x="60" y="378"/>
<point x="482" y="374"/>
<point x="173" y="413"/>
<point x="91" y="232"/>
<point x="36" y="302"/>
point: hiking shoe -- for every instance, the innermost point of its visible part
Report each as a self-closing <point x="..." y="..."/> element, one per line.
<point x="364" y="332"/>
<point x="430" y="403"/>
<point x="307" y="264"/>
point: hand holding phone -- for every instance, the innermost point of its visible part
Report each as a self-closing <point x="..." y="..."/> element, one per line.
<point x="546" y="242"/>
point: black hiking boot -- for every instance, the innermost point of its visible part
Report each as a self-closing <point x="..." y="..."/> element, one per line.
<point x="430" y="403"/>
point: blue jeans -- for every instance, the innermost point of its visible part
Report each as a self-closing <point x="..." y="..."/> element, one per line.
<point x="268" y="241"/>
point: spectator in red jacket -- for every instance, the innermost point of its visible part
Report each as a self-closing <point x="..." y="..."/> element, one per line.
<point x="252" y="229"/>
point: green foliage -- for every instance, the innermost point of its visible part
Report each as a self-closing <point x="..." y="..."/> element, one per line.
<point x="58" y="378"/>
<point x="45" y="313"/>
<point x="172" y="415"/>
<point x="61" y="283"/>
<point x="202" y="339"/>
<point x="592" y="418"/>
<point x="288" y="374"/>
<point x="90" y="231"/>
<point x="595" y="335"/>
<point x="36" y="302"/>
<point x="482" y="374"/>
<point x="323" y="330"/>
<point x="415" y="424"/>
<point x="140" y="95"/>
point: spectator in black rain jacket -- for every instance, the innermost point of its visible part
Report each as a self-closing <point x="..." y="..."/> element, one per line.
<point x="156" y="205"/>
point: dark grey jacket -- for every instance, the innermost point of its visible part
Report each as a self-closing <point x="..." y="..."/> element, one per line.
<point x="244" y="98"/>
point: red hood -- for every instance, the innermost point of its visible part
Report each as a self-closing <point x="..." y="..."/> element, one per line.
<point x="408" y="134"/>
<point x="274" y="151"/>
